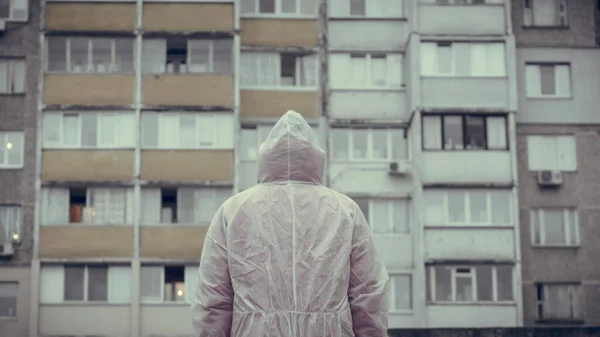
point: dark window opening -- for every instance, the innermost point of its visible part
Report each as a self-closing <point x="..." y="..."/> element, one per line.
<point x="168" y="208"/>
<point x="174" y="283"/>
<point x="177" y="56"/>
<point x="77" y="204"/>
<point x="288" y="69"/>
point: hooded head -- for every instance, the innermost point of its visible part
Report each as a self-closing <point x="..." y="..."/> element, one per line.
<point x="290" y="152"/>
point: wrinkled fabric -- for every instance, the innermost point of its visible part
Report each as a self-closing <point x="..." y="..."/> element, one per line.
<point x="290" y="257"/>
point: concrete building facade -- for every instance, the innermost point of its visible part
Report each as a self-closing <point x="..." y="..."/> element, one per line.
<point x="558" y="139"/>
<point x="19" y="66"/>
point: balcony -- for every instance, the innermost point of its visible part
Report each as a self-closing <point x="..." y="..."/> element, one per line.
<point x="469" y="243"/>
<point x="81" y="320"/>
<point x="488" y="19"/>
<point x="187" y="165"/>
<point x="88" y="89"/>
<point x="375" y="34"/>
<point x="469" y="166"/>
<point x="188" y="90"/>
<point x="87" y="165"/>
<point x="273" y="32"/>
<point x="274" y="103"/>
<point x="188" y="17"/>
<point x="83" y="241"/>
<point x="157" y="242"/>
<point x="474" y="316"/>
<point x="106" y="17"/>
<point x="375" y="104"/>
<point x="464" y="92"/>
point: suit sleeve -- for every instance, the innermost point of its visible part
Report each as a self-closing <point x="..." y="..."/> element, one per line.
<point x="212" y="308"/>
<point x="368" y="291"/>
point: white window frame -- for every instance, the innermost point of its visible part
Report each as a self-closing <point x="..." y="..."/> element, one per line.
<point x="453" y="72"/>
<point x="14" y="67"/>
<point x="278" y="13"/>
<point x="119" y="141"/>
<point x="4" y="143"/>
<point x="10" y="285"/>
<point x="571" y="230"/>
<point x="467" y="210"/>
<point x="18" y="11"/>
<point x="373" y="9"/>
<point x="574" y="289"/>
<point x="277" y="70"/>
<point x="565" y="162"/>
<point x="562" y="89"/>
<point x="473" y="276"/>
<point x="463" y="118"/>
<point x="11" y="233"/>
<point x="368" y="57"/>
<point x="562" y="17"/>
<point x="211" y="57"/>
<point x="369" y="158"/>
<point x="390" y="210"/>
<point x="86" y="285"/>
<point x="187" y="299"/>
<point x="469" y="2"/>
<point x="393" y="275"/>
<point x="90" y="57"/>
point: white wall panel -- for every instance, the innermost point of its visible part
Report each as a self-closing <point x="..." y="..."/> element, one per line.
<point x="367" y="178"/>
<point x="367" y="34"/>
<point x="356" y="104"/>
<point x="476" y="316"/>
<point x="464" y="92"/>
<point x="85" y="320"/>
<point x="466" y="167"/>
<point x="469" y="243"/>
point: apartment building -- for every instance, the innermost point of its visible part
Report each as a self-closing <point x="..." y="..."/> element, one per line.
<point x="19" y="69"/>
<point x="558" y="139"/>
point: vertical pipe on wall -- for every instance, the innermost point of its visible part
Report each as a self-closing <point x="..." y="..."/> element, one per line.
<point x="236" y="95"/>
<point x="323" y="96"/>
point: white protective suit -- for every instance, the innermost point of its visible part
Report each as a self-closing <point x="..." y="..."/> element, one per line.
<point x="290" y="257"/>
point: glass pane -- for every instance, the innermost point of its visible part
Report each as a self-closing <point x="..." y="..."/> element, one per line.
<point x="288" y="6"/>
<point x="359" y="144"/>
<point x="357" y="7"/>
<point x="478" y="206"/>
<point x="402" y="292"/>
<point x="547" y="80"/>
<point x="475" y="132"/>
<point x="340" y="144"/>
<point x="8" y="299"/>
<point x="456" y="206"/>
<point x="453" y="133"/>
<point x="400" y="218"/>
<point x="150" y="279"/>
<point x="363" y="204"/>
<point x="101" y="55"/>
<point x="79" y="54"/>
<point x="74" y="283"/>
<point x="505" y="283"/>
<point x="398" y="144"/>
<point x="57" y="53"/>
<point x="537" y="228"/>
<point x="358" y="65"/>
<point x="108" y="130"/>
<point x="222" y="55"/>
<point x="70" y="128"/>
<point x="573" y="227"/>
<point x="432" y="132"/>
<point x="97" y="283"/>
<point x="554" y="227"/>
<point x="464" y="289"/>
<point x="381" y="216"/>
<point x="14" y="147"/>
<point x="187" y="129"/>
<point x="89" y="129"/>
<point x="380" y="144"/>
<point x="501" y="207"/>
<point x="484" y="283"/>
<point x="378" y="71"/>
<point x="150" y="129"/>
<point x="123" y="55"/>
<point x="248" y="6"/>
<point x="443" y="284"/>
<point x="444" y="56"/>
<point x="248" y="144"/>
<point x="557" y="303"/>
<point x="266" y="6"/>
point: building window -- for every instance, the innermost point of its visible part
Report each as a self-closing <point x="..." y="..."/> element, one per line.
<point x="169" y="130"/>
<point x="11" y="150"/>
<point x="545" y="13"/>
<point x="14" y="10"/>
<point x="460" y="2"/>
<point x="168" y="283"/>
<point x="468" y="207"/>
<point x="180" y="56"/>
<point x="367" y="71"/>
<point x="95" y="283"/>
<point x="9" y="294"/>
<point x="279" y="7"/>
<point x="89" y="55"/>
<point x="554" y="153"/>
<point x="401" y="293"/>
<point x="103" y="130"/>
<point x="548" y="80"/>
<point x="10" y="223"/>
<point x="469" y="59"/>
<point x="559" y="302"/>
<point x="92" y="206"/>
<point x="368" y="144"/>
<point x="464" y="132"/>
<point x="12" y="75"/>
<point x="251" y="139"/>
<point x="471" y="284"/>
<point x="190" y="206"/>
<point x="386" y="216"/>
<point x="278" y="70"/>
<point x="554" y="227"/>
<point x="366" y="8"/>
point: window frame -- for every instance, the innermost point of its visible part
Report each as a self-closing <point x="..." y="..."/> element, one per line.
<point x="350" y="150"/>
<point x="529" y="15"/>
<point x="89" y="207"/>
<point x="16" y="297"/>
<point x="345" y="11"/>
<point x="393" y="274"/>
<point x="4" y="165"/>
<point x="469" y="3"/>
<point x="90" y="56"/>
<point x="467" y="208"/>
<point x="279" y="86"/>
<point x="368" y="57"/>
<point x="538" y="65"/>
<point x="86" y="285"/>
<point x="533" y="138"/>
<point x="432" y="289"/>
<point x="536" y="221"/>
<point x="12" y="9"/>
<point x="574" y="289"/>
<point x="464" y="117"/>
<point x="277" y="12"/>
<point x="391" y="226"/>
<point x="162" y="301"/>
<point x="436" y="73"/>
<point x="12" y="65"/>
<point x="18" y="224"/>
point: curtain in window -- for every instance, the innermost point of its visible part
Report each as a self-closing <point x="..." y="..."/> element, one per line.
<point x="378" y="71"/>
<point x="394" y="70"/>
<point x="199" y="56"/>
<point x="308" y="66"/>
<point x="15" y="154"/>
<point x="358" y="68"/>
<point x="533" y="80"/>
<point x="401" y="216"/>
<point x="124" y="52"/>
<point x="496" y="132"/>
<point x="567" y="153"/>
<point x="432" y="132"/>
<point x="52" y="129"/>
<point x="381" y="216"/>
<point x="428" y="58"/>
<point x="154" y="56"/>
<point x="97" y="206"/>
<point x="55" y="205"/>
<point x="268" y="69"/>
<point x="119" y="280"/>
<point x="248" y="6"/>
<point x="545" y="12"/>
<point x="102" y="55"/>
<point x="117" y="205"/>
<point x="5" y="78"/>
<point x="52" y="279"/>
<point x="563" y="80"/>
<point x="495" y="59"/>
<point x="18" y="68"/>
<point x="187" y="131"/>
<point x="10" y="222"/>
<point x="457" y="59"/>
<point x="79" y="52"/>
<point x="206" y="130"/>
<point x="222" y="56"/>
<point x="558" y="303"/>
<point x="308" y="7"/>
<point x="206" y="205"/>
<point x="249" y="69"/>
<point x="57" y="53"/>
<point x="150" y="212"/>
<point x="151" y="284"/>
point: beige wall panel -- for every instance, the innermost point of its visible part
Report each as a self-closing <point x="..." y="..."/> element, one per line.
<point x="188" y="90"/>
<point x="267" y="103"/>
<point x="280" y="32"/>
<point x="172" y="242"/>
<point x="187" y="165"/>
<point x="86" y="241"/>
<point x="89" y="89"/>
<point x="88" y="165"/>
<point x="188" y="17"/>
<point x="90" y="16"/>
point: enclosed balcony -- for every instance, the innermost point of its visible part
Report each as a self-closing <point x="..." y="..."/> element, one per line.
<point x="484" y="17"/>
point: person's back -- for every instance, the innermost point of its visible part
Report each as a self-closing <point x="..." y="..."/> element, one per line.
<point x="290" y="257"/>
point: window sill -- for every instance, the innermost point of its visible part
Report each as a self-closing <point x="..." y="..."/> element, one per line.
<point x="145" y="148"/>
<point x="370" y="89"/>
<point x="534" y="173"/>
<point x="8" y="318"/>
<point x="365" y="18"/>
<point x="540" y="246"/>
<point x="559" y="321"/>
<point x="12" y="94"/>
<point x="463" y="77"/>
<point x="470" y="226"/>
<point x="11" y="168"/>
<point x="278" y="16"/>
<point x="175" y="225"/>
<point x="465" y="150"/>
<point x="392" y="234"/>
<point x="562" y="98"/>
<point x="479" y="304"/>
<point x="188" y="74"/>
<point x="88" y="148"/>
<point x="47" y="72"/>
<point x="546" y="27"/>
<point x="405" y="312"/>
<point x="277" y="88"/>
<point x="86" y="304"/>
<point x="79" y="224"/>
<point x="366" y="161"/>
<point x="166" y="304"/>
